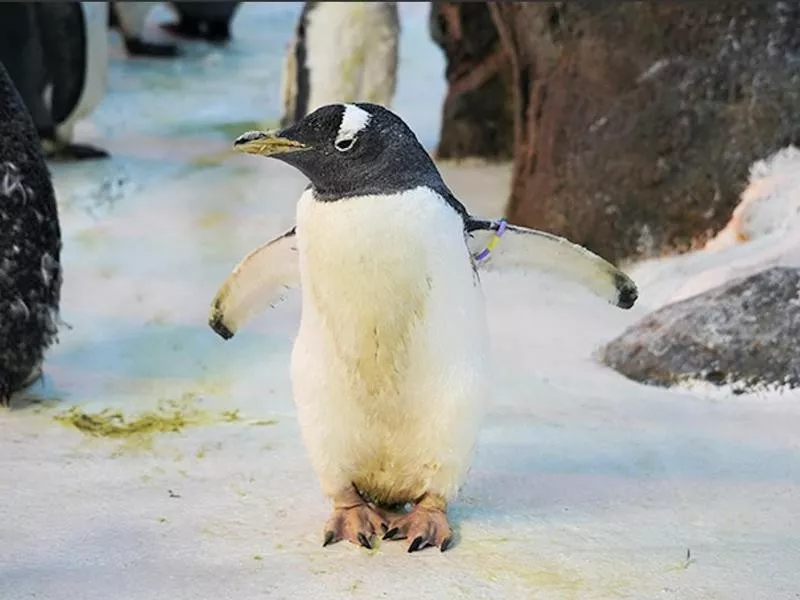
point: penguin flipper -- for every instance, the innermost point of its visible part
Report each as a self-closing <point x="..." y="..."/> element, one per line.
<point x="522" y="248"/>
<point x="258" y="281"/>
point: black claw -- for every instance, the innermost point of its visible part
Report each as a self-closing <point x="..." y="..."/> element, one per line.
<point x="391" y="533"/>
<point x="446" y="543"/>
<point x="415" y="545"/>
<point x="329" y="535"/>
<point x="362" y="539"/>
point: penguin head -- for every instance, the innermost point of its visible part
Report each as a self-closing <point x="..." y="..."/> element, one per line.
<point x="348" y="150"/>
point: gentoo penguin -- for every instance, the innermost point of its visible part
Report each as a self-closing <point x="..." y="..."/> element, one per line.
<point x="388" y="368"/>
<point x="129" y="18"/>
<point x="57" y="56"/>
<point x="210" y="21"/>
<point x="341" y="52"/>
<point x="30" y="247"/>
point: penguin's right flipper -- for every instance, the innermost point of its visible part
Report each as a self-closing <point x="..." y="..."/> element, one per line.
<point x="497" y="246"/>
<point x="258" y="281"/>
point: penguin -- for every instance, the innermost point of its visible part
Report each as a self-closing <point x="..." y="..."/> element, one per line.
<point x="30" y="247"/>
<point x="341" y="52"/>
<point x="56" y="54"/>
<point x="388" y="368"/>
<point x="129" y="18"/>
<point x="76" y="54"/>
<point x="210" y="21"/>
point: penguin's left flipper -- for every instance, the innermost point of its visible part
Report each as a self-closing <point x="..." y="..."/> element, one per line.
<point x="531" y="249"/>
<point x="258" y="281"/>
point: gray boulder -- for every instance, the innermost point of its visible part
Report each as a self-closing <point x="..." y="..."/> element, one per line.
<point x="745" y="333"/>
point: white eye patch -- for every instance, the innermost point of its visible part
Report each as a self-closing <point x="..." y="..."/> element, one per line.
<point x="354" y="120"/>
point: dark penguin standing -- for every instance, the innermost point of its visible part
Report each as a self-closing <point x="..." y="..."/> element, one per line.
<point x="210" y="21"/>
<point x="129" y="18"/>
<point x="57" y="56"/>
<point x="30" y="247"/>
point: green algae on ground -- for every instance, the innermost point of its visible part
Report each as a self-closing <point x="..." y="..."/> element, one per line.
<point x="508" y="568"/>
<point x="205" y="448"/>
<point x="231" y="415"/>
<point x="168" y="417"/>
<point x="137" y="432"/>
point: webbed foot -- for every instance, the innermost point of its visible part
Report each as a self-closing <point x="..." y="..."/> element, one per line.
<point x="354" y="520"/>
<point x="138" y="47"/>
<point x="425" y="525"/>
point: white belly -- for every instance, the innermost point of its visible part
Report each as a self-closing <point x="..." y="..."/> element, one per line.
<point x="388" y="368"/>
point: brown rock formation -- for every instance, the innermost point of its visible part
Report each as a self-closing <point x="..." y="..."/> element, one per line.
<point x="477" y="119"/>
<point x="636" y="122"/>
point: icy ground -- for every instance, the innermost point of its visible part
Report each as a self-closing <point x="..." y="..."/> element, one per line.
<point x="586" y="485"/>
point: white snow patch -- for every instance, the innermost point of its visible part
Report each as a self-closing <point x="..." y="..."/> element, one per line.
<point x="764" y="393"/>
<point x="770" y="204"/>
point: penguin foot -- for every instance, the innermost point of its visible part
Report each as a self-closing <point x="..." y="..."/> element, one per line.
<point x="353" y="520"/>
<point x="35" y="374"/>
<point x="138" y="47"/>
<point x="218" y="32"/>
<point x="60" y="152"/>
<point x="20" y="384"/>
<point x="185" y="28"/>
<point x="215" y="32"/>
<point x="425" y="525"/>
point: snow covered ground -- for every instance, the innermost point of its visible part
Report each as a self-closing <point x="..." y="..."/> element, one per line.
<point x="586" y="485"/>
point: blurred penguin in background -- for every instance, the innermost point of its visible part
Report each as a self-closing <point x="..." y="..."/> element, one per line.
<point x="56" y="54"/>
<point x="341" y="52"/>
<point x="30" y="247"/>
<point x="209" y="21"/>
<point x="129" y="19"/>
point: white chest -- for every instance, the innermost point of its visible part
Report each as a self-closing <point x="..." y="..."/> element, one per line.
<point x="388" y="366"/>
<point x="378" y="275"/>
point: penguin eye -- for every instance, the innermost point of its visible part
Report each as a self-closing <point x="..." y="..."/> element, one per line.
<point x="345" y="144"/>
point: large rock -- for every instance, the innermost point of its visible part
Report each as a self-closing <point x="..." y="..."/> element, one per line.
<point x="636" y="122"/>
<point x="477" y="121"/>
<point x="743" y="333"/>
